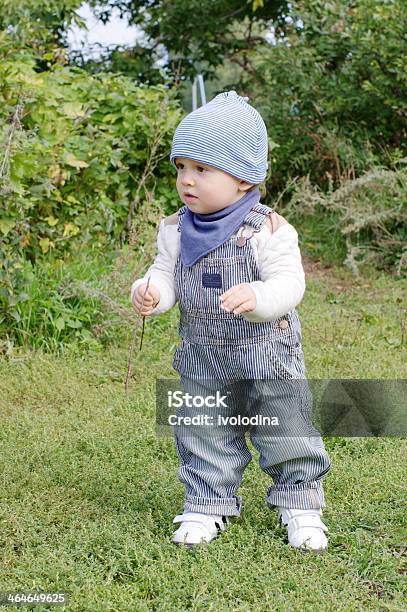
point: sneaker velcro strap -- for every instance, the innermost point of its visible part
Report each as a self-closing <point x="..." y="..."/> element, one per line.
<point x="222" y="523"/>
<point x="306" y="520"/>
<point x="192" y="517"/>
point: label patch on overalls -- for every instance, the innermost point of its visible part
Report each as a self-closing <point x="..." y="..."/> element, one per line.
<point x="211" y="280"/>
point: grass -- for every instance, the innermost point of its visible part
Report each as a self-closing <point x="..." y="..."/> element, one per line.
<point x="89" y="491"/>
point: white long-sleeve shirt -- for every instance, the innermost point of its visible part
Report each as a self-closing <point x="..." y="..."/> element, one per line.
<point x="277" y="255"/>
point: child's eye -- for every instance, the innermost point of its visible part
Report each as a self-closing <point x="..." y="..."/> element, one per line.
<point x="200" y="169"/>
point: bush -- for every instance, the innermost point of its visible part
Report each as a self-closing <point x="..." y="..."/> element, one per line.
<point x="332" y="92"/>
<point x="368" y="213"/>
<point x="46" y="312"/>
<point x="79" y="155"/>
<point x="81" y="300"/>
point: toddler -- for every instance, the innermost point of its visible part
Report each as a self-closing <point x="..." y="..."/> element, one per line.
<point x="234" y="267"/>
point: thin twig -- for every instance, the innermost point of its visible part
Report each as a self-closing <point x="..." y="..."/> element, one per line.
<point x="15" y="123"/>
<point x="144" y="318"/>
<point x="133" y="343"/>
<point x="356" y="333"/>
<point x="153" y="158"/>
<point x="142" y="332"/>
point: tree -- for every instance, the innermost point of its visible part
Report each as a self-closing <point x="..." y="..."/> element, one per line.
<point x="199" y="31"/>
<point x="333" y="92"/>
<point x="37" y="27"/>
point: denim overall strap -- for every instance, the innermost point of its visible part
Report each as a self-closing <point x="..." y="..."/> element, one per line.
<point x="258" y="215"/>
<point x="181" y="213"/>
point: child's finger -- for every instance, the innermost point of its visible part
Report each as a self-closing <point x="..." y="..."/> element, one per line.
<point x="141" y="292"/>
<point x="143" y="309"/>
<point x="138" y="305"/>
<point x="154" y="293"/>
<point x="245" y="307"/>
<point x="148" y="298"/>
<point x="153" y="298"/>
<point x="228" y="295"/>
<point x="145" y="312"/>
<point x="231" y="303"/>
<point x="146" y="301"/>
<point x="226" y="298"/>
<point x="232" y="293"/>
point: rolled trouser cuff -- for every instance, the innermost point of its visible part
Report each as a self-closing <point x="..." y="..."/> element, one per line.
<point x="228" y="506"/>
<point x="305" y="496"/>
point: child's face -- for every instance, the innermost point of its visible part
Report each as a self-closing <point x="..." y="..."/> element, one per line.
<point x="213" y="189"/>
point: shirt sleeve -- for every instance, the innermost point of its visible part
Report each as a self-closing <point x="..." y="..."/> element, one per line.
<point x="282" y="283"/>
<point x="161" y="272"/>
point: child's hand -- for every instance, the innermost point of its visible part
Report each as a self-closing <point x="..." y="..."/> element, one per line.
<point x="151" y="299"/>
<point x="238" y="299"/>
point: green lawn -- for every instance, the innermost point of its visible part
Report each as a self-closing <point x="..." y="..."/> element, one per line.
<point x="88" y="491"/>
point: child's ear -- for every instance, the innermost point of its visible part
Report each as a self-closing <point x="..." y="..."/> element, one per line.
<point x="243" y="186"/>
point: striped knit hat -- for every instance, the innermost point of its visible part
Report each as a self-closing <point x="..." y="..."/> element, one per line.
<point x="226" y="133"/>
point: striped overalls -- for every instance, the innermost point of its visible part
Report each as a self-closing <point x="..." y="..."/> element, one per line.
<point x="261" y="364"/>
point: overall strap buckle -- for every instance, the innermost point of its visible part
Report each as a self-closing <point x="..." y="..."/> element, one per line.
<point x="244" y="234"/>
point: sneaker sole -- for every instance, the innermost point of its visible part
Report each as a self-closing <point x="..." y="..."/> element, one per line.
<point x="310" y="551"/>
<point x="190" y="546"/>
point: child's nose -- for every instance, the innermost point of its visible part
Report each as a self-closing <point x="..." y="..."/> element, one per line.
<point x="186" y="179"/>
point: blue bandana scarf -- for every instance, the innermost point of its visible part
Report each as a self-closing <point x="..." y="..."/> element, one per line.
<point x="201" y="234"/>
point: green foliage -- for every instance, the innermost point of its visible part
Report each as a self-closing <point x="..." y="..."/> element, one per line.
<point x="333" y="91"/>
<point x="73" y="150"/>
<point x="47" y="312"/>
<point x="198" y="30"/>
<point x="361" y="222"/>
<point x="137" y="63"/>
<point x="36" y="27"/>
<point x="81" y="300"/>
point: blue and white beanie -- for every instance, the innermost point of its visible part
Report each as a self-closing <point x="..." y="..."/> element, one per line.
<point x="226" y="133"/>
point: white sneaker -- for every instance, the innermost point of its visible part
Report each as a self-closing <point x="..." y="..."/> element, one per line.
<point x="305" y="529"/>
<point x="198" y="528"/>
